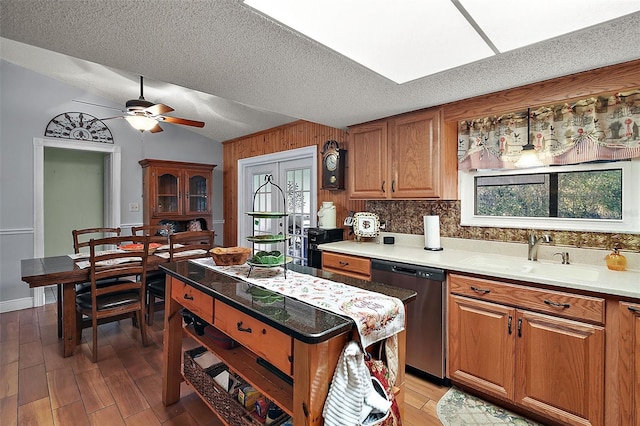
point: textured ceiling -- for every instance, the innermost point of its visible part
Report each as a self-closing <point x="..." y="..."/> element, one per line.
<point x="245" y="73"/>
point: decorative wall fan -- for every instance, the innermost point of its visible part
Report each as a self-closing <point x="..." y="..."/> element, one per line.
<point x="144" y="115"/>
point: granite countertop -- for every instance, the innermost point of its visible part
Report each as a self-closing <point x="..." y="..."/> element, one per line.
<point x="295" y="318"/>
<point x="586" y="272"/>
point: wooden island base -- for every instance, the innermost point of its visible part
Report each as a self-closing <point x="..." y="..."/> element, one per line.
<point x="311" y="365"/>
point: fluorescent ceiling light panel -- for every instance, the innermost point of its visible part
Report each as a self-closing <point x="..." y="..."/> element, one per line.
<point x="402" y="40"/>
<point x="513" y="24"/>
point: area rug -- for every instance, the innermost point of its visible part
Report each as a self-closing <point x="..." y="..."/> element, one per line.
<point x="458" y="408"/>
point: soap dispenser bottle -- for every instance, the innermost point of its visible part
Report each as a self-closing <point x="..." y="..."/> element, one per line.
<point x="615" y="260"/>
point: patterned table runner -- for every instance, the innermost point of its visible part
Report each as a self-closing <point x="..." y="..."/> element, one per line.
<point x="376" y="315"/>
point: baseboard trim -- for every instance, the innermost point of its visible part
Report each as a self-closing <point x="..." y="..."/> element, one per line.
<point x="16" y="304"/>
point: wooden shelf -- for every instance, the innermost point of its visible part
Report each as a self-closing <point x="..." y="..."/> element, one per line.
<point x="243" y="362"/>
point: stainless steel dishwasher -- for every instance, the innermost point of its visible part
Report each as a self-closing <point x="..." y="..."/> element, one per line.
<point x="425" y="316"/>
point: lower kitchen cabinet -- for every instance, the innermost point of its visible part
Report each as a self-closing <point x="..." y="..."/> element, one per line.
<point x="630" y="363"/>
<point x="543" y="362"/>
<point x="353" y="266"/>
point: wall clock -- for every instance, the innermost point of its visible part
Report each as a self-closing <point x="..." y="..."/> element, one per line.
<point x="78" y="126"/>
<point x="333" y="162"/>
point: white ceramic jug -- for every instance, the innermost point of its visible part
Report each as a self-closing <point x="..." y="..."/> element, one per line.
<point x="327" y="215"/>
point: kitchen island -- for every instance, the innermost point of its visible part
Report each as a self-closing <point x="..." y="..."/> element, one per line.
<point x="301" y="341"/>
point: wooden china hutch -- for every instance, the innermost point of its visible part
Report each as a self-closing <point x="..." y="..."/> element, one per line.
<point x="177" y="191"/>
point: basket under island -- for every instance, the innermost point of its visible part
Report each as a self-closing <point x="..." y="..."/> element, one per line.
<point x="288" y="350"/>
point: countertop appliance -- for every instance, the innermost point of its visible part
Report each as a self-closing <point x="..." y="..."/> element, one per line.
<point x="317" y="236"/>
<point x="425" y="317"/>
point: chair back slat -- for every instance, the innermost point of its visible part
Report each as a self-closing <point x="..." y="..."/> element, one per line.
<point x="182" y="242"/>
<point x="81" y="237"/>
<point x="156" y="233"/>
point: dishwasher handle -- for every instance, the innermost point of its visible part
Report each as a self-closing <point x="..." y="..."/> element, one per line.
<point x="418" y="271"/>
<point x="404" y="270"/>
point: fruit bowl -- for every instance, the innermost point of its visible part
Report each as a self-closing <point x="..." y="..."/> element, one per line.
<point x="225" y="256"/>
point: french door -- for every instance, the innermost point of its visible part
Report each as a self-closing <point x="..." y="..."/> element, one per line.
<point x="296" y="179"/>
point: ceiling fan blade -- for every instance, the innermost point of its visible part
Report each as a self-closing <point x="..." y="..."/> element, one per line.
<point x="111" y="118"/>
<point x="98" y="105"/>
<point x="156" y="129"/>
<point x="183" y="121"/>
<point x="158" y="109"/>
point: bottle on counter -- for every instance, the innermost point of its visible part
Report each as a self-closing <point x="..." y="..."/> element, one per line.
<point x="615" y="260"/>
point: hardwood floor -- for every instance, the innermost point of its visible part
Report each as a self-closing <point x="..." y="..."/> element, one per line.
<point x="40" y="387"/>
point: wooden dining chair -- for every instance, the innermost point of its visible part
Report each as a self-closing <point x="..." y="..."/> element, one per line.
<point x="181" y="246"/>
<point x="80" y="240"/>
<point x="118" y="300"/>
<point x="155" y="279"/>
<point x="81" y="237"/>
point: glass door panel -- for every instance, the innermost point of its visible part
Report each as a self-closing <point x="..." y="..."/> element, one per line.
<point x="198" y="194"/>
<point x="168" y="193"/>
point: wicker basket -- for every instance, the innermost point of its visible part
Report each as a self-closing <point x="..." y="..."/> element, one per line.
<point x="225" y="404"/>
<point x="225" y="256"/>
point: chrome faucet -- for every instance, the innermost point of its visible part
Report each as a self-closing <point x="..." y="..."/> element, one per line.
<point x="534" y="242"/>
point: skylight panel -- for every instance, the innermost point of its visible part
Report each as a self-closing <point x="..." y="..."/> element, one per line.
<point x="402" y="40"/>
<point x="514" y="24"/>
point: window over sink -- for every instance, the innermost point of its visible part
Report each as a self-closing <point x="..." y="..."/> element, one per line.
<point x="594" y="197"/>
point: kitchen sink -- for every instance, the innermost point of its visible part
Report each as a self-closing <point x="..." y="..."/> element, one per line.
<point x="527" y="268"/>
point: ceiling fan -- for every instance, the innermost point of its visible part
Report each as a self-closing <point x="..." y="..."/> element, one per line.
<point x="144" y="115"/>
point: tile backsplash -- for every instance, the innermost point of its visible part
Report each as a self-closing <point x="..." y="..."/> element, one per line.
<point x="405" y="217"/>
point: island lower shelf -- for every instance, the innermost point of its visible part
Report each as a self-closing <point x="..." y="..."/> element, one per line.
<point x="244" y="363"/>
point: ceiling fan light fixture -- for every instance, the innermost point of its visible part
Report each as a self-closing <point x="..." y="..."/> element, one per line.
<point x="141" y="122"/>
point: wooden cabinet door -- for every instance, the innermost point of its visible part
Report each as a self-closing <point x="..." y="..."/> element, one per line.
<point x="167" y="192"/>
<point x="197" y="192"/>
<point x="368" y="162"/>
<point x="415" y="155"/>
<point x="560" y="368"/>
<point x="481" y="345"/>
<point x="630" y="362"/>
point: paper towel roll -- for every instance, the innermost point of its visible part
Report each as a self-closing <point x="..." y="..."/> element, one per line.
<point x="432" y="232"/>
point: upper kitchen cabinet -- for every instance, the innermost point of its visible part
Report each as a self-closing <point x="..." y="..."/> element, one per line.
<point x="176" y="191"/>
<point x="401" y="157"/>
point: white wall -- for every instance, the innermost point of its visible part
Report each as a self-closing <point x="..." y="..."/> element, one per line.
<point x="29" y="101"/>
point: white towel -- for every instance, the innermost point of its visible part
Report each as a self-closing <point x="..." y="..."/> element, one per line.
<point x="352" y="398"/>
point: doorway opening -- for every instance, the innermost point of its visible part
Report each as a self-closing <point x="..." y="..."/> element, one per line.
<point x="112" y="178"/>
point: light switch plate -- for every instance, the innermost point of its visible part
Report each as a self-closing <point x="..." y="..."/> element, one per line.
<point x="134" y="207"/>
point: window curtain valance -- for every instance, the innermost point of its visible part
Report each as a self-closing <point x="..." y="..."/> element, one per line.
<point x="598" y="128"/>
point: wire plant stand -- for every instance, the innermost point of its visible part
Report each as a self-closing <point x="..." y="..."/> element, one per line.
<point x="271" y="259"/>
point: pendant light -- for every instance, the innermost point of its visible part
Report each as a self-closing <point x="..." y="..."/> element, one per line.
<point x="528" y="155"/>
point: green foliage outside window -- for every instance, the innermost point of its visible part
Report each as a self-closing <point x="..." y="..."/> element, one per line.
<point x="577" y="195"/>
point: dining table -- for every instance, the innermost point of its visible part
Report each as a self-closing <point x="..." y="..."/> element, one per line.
<point x="63" y="270"/>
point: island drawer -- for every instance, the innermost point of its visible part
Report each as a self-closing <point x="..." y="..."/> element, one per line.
<point x="194" y="300"/>
<point x="359" y="267"/>
<point x="554" y="302"/>
<point x="262" y="339"/>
